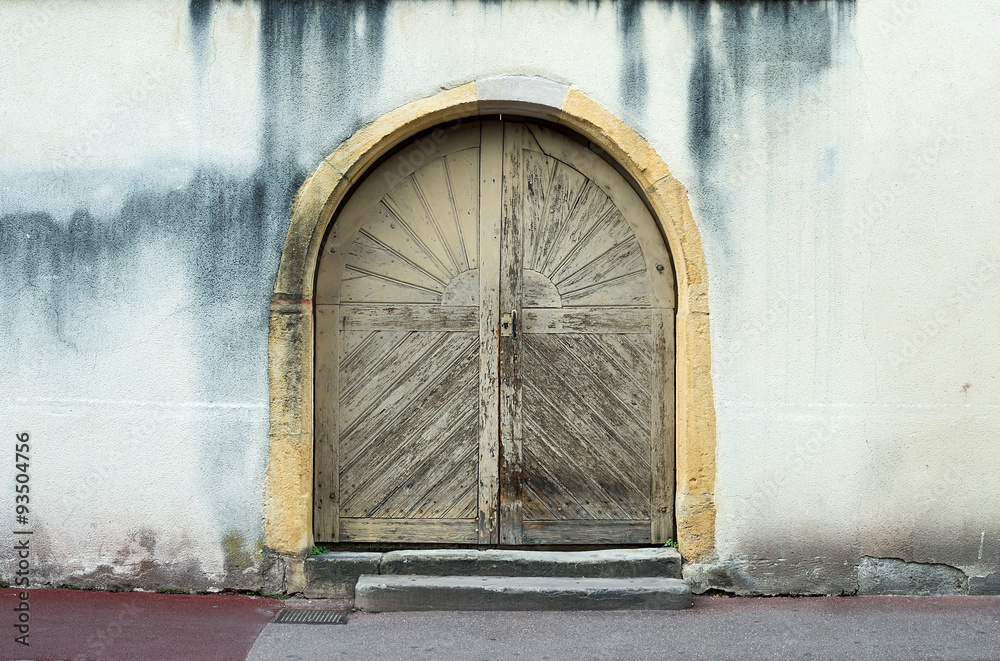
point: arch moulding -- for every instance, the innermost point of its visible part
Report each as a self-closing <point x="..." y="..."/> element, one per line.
<point x="289" y="479"/>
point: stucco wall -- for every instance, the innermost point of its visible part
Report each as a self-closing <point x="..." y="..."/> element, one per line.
<point x="838" y="157"/>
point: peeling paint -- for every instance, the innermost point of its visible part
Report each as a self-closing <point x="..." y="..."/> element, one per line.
<point x="896" y="576"/>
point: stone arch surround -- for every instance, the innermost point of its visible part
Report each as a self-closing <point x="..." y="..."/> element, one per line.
<point x="289" y="480"/>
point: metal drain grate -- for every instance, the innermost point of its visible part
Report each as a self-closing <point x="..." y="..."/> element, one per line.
<point x="302" y="616"/>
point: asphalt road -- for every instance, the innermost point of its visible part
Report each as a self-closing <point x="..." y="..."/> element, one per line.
<point x="102" y="626"/>
<point x="885" y="628"/>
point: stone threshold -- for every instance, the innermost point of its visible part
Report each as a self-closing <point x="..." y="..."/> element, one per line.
<point x="335" y="574"/>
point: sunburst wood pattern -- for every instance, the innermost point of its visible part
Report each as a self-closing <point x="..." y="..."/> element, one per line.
<point x="576" y="237"/>
<point x="586" y="363"/>
<point x="419" y="236"/>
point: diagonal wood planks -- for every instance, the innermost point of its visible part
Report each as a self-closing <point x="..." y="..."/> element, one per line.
<point x="442" y="429"/>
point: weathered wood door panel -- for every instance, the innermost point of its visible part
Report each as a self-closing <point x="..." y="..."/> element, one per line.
<point x="583" y="430"/>
<point x="494" y="350"/>
<point x="398" y="352"/>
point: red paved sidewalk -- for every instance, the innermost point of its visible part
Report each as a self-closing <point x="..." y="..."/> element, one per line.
<point x="107" y="626"/>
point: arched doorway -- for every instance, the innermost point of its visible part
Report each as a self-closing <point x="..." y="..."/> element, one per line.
<point x="494" y="349"/>
<point x="288" y="492"/>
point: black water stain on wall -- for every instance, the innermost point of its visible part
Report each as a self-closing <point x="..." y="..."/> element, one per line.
<point x="772" y="47"/>
<point x="200" y="14"/>
<point x="319" y="70"/>
<point x="78" y="276"/>
<point x="773" y="50"/>
<point x="321" y="64"/>
<point x="702" y="88"/>
<point x="633" y="85"/>
<point x="220" y="224"/>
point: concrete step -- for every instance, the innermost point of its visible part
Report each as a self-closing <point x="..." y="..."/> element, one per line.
<point x="334" y="575"/>
<point x="610" y="563"/>
<point x="385" y="593"/>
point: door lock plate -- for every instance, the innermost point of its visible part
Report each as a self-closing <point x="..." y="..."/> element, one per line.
<point x="506" y="325"/>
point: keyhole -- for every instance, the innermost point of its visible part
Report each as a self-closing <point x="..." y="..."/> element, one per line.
<point x="506" y="325"/>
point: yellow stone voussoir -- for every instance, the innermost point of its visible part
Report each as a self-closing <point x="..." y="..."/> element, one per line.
<point x="614" y="136"/>
<point x="669" y="199"/>
<point x="288" y="494"/>
<point x="366" y="146"/>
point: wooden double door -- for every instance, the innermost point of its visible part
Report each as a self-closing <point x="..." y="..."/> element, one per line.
<point x="494" y="349"/>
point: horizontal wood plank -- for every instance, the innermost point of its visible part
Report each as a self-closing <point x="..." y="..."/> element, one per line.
<point x="586" y="320"/>
<point x="452" y="531"/>
<point x="409" y="317"/>
<point x="583" y="532"/>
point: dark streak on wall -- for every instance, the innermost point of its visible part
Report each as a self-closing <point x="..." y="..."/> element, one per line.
<point x="219" y="224"/>
<point x="774" y="50"/>
<point x="73" y="275"/>
<point x="317" y="74"/>
<point x="78" y="276"/>
<point x="200" y="13"/>
<point x="773" y="47"/>
<point x="632" y="85"/>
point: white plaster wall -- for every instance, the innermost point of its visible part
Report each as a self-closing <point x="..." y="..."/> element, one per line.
<point x="839" y="164"/>
<point x="930" y="219"/>
<point x="144" y="467"/>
